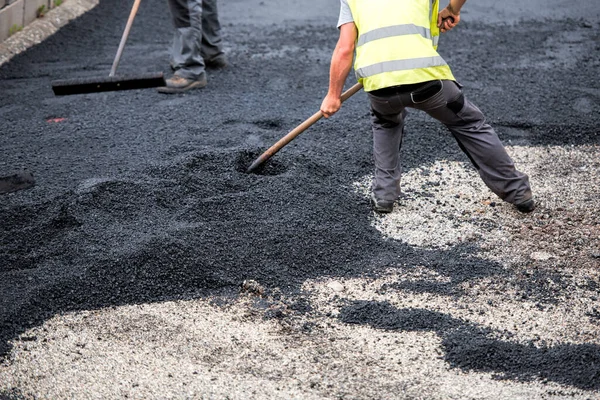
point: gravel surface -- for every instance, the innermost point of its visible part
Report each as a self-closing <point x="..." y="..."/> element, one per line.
<point x="146" y="263"/>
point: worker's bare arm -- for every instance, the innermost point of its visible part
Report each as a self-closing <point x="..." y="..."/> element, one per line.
<point x="456" y="5"/>
<point x="341" y="64"/>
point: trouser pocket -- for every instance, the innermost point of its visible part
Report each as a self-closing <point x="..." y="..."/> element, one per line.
<point x="426" y="92"/>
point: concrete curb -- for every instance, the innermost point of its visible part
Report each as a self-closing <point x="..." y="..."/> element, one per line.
<point x="42" y="28"/>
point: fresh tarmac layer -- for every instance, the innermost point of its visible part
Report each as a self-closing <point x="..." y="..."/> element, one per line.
<point x="147" y="263"/>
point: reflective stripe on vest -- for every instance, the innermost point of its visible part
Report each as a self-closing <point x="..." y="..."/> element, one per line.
<point x="396" y="43"/>
<point x="390" y="31"/>
<point x="398" y="30"/>
<point x="400" y="65"/>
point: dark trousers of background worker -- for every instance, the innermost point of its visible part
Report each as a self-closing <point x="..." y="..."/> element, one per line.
<point x="465" y="121"/>
<point x="197" y="36"/>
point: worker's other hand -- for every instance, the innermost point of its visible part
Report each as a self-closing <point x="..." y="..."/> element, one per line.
<point x="448" y="19"/>
<point x="330" y="105"/>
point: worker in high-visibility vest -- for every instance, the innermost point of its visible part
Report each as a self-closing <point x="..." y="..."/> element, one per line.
<point x="397" y="62"/>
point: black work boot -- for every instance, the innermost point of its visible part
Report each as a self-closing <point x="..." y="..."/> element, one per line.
<point x="179" y="84"/>
<point x="526" y="206"/>
<point x="217" y="62"/>
<point x="381" y="206"/>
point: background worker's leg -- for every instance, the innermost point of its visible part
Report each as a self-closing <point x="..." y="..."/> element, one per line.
<point x="211" y="31"/>
<point x="387" y="141"/>
<point x="186" y="58"/>
<point x="482" y="145"/>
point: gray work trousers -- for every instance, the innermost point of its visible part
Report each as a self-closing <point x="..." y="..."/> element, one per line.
<point x="465" y="121"/>
<point x="197" y="36"/>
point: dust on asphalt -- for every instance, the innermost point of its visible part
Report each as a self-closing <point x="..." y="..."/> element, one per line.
<point x="143" y="199"/>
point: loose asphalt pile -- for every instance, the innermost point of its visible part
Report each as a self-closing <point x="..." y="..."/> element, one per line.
<point x="147" y="263"/>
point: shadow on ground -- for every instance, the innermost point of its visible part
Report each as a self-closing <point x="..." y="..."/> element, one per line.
<point x="474" y="348"/>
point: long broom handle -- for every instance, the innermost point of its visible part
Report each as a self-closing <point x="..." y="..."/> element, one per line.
<point x="132" y="14"/>
<point x="298" y="130"/>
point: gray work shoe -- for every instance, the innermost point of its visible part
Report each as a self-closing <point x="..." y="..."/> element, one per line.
<point x="217" y="62"/>
<point x="179" y="84"/>
<point x="381" y="206"/>
<point x="526" y="207"/>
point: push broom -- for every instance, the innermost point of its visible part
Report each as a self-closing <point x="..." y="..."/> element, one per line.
<point x="112" y="82"/>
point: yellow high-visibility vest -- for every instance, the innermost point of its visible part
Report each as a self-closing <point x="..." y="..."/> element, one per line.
<point x="397" y="43"/>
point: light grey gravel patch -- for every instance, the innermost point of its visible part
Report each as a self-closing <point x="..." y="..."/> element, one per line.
<point x="335" y="286"/>
<point x="446" y="204"/>
<point x="194" y="350"/>
<point x="443" y="204"/>
<point x="541" y="256"/>
<point x="546" y="256"/>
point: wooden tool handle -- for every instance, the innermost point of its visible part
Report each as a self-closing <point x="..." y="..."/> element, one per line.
<point x="132" y="14"/>
<point x="298" y="130"/>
